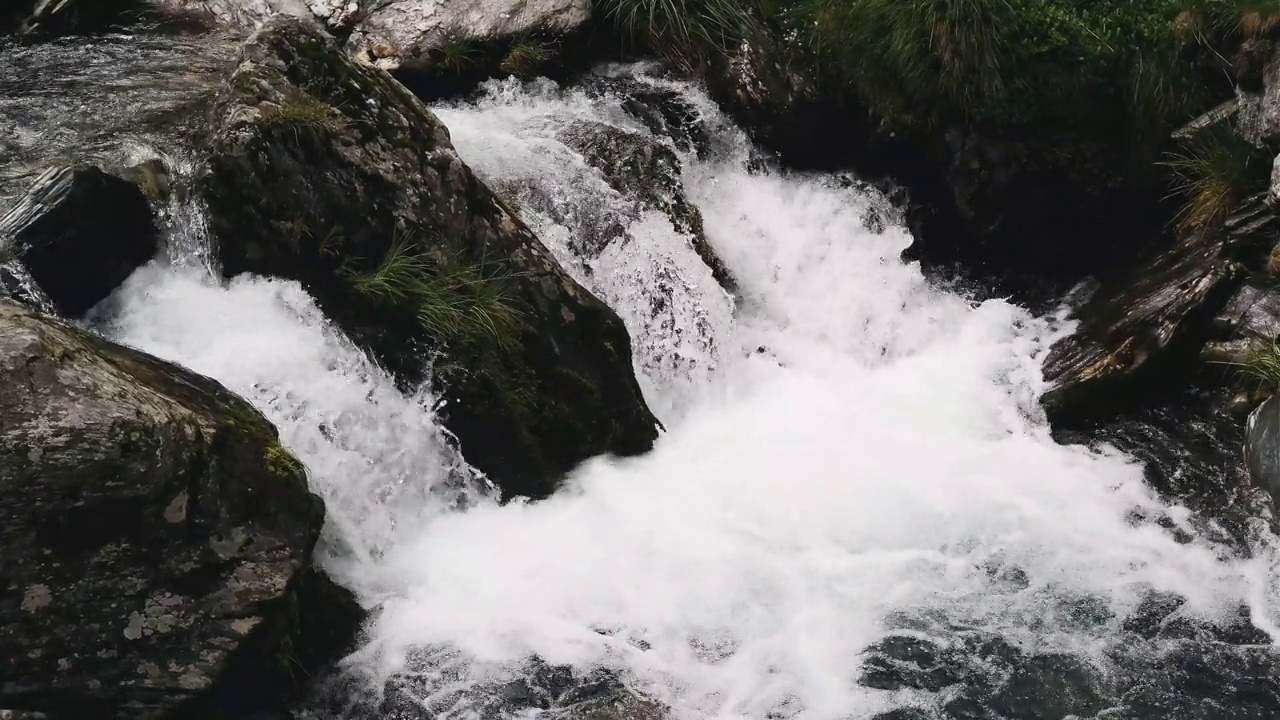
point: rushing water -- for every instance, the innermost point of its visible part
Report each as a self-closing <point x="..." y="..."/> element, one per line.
<point x="854" y="459"/>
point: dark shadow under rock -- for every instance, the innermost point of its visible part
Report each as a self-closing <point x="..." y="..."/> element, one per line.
<point x="79" y="232"/>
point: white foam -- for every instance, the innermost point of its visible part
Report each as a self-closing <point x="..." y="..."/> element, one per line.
<point x="853" y="445"/>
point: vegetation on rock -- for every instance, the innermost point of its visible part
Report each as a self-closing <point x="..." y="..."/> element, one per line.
<point x="451" y="298"/>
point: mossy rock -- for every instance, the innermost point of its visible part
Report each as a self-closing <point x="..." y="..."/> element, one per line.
<point x="157" y="538"/>
<point x="321" y="165"/>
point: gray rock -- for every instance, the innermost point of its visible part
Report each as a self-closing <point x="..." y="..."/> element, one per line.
<point x="402" y="30"/>
<point x="155" y="538"/>
<point x="46" y="17"/>
<point x="80" y="233"/>
<point x="1249" y="322"/>
<point x="1273" y="189"/>
<point x="646" y="171"/>
<point x="320" y="164"/>
<point x="1262" y="447"/>
<point x="1130" y="322"/>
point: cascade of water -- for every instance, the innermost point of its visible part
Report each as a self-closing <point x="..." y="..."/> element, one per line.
<point x="851" y="453"/>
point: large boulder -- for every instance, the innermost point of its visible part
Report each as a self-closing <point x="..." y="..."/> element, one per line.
<point x="645" y="170"/>
<point x="1132" y="322"/>
<point x="79" y="232"/>
<point x="155" y="538"/>
<point x="1262" y="447"/>
<point x="328" y="171"/>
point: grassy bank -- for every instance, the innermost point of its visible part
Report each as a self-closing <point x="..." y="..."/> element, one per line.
<point x="1131" y="68"/>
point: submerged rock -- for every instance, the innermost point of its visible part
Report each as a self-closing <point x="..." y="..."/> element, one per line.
<point x="1259" y="103"/>
<point x="328" y="171"/>
<point x="80" y="233"/>
<point x="645" y="170"/>
<point x="400" y="31"/>
<point x="155" y="538"/>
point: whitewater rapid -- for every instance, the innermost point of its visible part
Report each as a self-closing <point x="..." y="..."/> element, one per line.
<point x="849" y="451"/>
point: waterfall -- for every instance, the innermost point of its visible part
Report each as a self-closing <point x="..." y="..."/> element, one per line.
<point x="851" y="455"/>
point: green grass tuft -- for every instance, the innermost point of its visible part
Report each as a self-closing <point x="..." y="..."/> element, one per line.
<point x="526" y="57"/>
<point x="305" y="114"/>
<point x="1215" y="173"/>
<point x="451" y="299"/>
<point x="684" y="31"/>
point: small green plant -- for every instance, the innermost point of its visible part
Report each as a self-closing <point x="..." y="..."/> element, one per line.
<point x="451" y="299"/>
<point x="456" y="54"/>
<point x="304" y="115"/>
<point x="685" y="31"/>
<point x="526" y="56"/>
<point x="1214" y="174"/>
<point x="1262" y="367"/>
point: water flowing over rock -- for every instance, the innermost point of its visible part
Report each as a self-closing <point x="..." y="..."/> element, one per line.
<point x="391" y="32"/>
<point x="321" y="164"/>
<point x="43" y="17"/>
<point x="155" y="538"/>
<point x="79" y="232"/>
<point x="643" y="168"/>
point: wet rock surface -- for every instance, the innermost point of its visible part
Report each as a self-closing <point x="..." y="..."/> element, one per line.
<point x="1249" y="322"/>
<point x="79" y="233"/>
<point x="390" y="33"/>
<point x="406" y="30"/>
<point x="1192" y="455"/>
<point x="645" y="170"/>
<point x="1132" y="322"/>
<point x="554" y="692"/>
<point x="155" y="538"/>
<point x="974" y="676"/>
<point x="320" y="165"/>
<point x="51" y="17"/>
